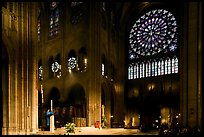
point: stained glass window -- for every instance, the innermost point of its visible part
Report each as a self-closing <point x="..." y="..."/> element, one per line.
<point x="137" y="76"/>
<point x="38" y="24"/>
<point x="54" y="19"/>
<point x="55" y="67"/>
<point x="159" y="68"/>
<point x="169" y="66"/>
<point x="148" y="69"/>
<point x="135" y="71"/>
<point x="152" y="68"/>
<point x="162" y="67"/>
<point x="166" y="67"/>
<point x="154" y="33"/>
<point x="143" y="69"/>
<point x="128" y="72"/>
<point x="40" y="72"/>
<point x="72" y="63"/>
<point x="103" y="70"/>
<point x="131" y="72"/>
<point x="176" y="65"/>
<point x="142" y="66"/>
<point x="173" y="67"/>
<point x="155" y="68"/>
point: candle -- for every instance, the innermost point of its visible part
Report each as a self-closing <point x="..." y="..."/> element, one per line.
<point x="51" y="105"/>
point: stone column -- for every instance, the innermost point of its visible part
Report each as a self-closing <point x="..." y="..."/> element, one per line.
<point x="94" y="92"/>
<point x="5" y="76"/>
<point x="12" y="114"/>
<point x="33" y="79"/>
<point x="190" y="70"/>
<point x="22" y="70"/>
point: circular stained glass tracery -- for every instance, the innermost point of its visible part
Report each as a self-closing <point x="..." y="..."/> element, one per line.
<point x="152" y="33"/>
<point x="71" y="63"/>
<point x="55" y="67"/>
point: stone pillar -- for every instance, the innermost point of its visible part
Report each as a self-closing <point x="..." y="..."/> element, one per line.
<point x="190" y="70"/>
<point x="5" y="63"/>
<point x="22" y="86"/>
<point x="32" y="51"/>
<point x="94" y="93"/>
<point x="12" y="114"/>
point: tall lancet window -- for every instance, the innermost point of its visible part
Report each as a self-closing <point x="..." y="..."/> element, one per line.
<point x="40" y="70"/>
<point x="176" y="65"/>
<point x="39" y="25"/>
<point x="153" y="38"/>
<point x="54" y="19"/>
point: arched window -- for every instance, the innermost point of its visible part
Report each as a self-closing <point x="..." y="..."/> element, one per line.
<point x="58" y="66"/>
<point x="102" y="69"/>
<point x="153" y="68"/>
<point x="78" y="12"/>
<point x="159" y="67"/>
<point x="152" y="38"/>
<point x="173" y="65"/>
<point x="131" y="71"/>
<point x="176" y="65"/>
<point x="40" y="70"/>
<point x="72" y="61"/>
<point x="169" y="66"/>
<point x="55" y="66"/>
<point x="39" y="25"/>
<point x="135" y="71"/>
<point x="148" y="69"/>
<point x="156" y="68"/>
<point x="104" y="64"/>
<point x="162" y="67"/>
<point x="166" y="66"/>
<point x="54" y="19"/>
<point x="142" y="68"/>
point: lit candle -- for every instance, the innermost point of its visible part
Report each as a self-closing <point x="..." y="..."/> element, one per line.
<point x="51" y="104"/>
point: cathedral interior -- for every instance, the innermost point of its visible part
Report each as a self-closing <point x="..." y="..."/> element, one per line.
<point x="140" y="64"/>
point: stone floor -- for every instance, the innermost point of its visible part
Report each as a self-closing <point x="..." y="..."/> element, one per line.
<point x="96" y="131"/>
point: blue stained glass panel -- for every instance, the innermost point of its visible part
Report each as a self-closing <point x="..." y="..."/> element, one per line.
<point x="54" y="19"/>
